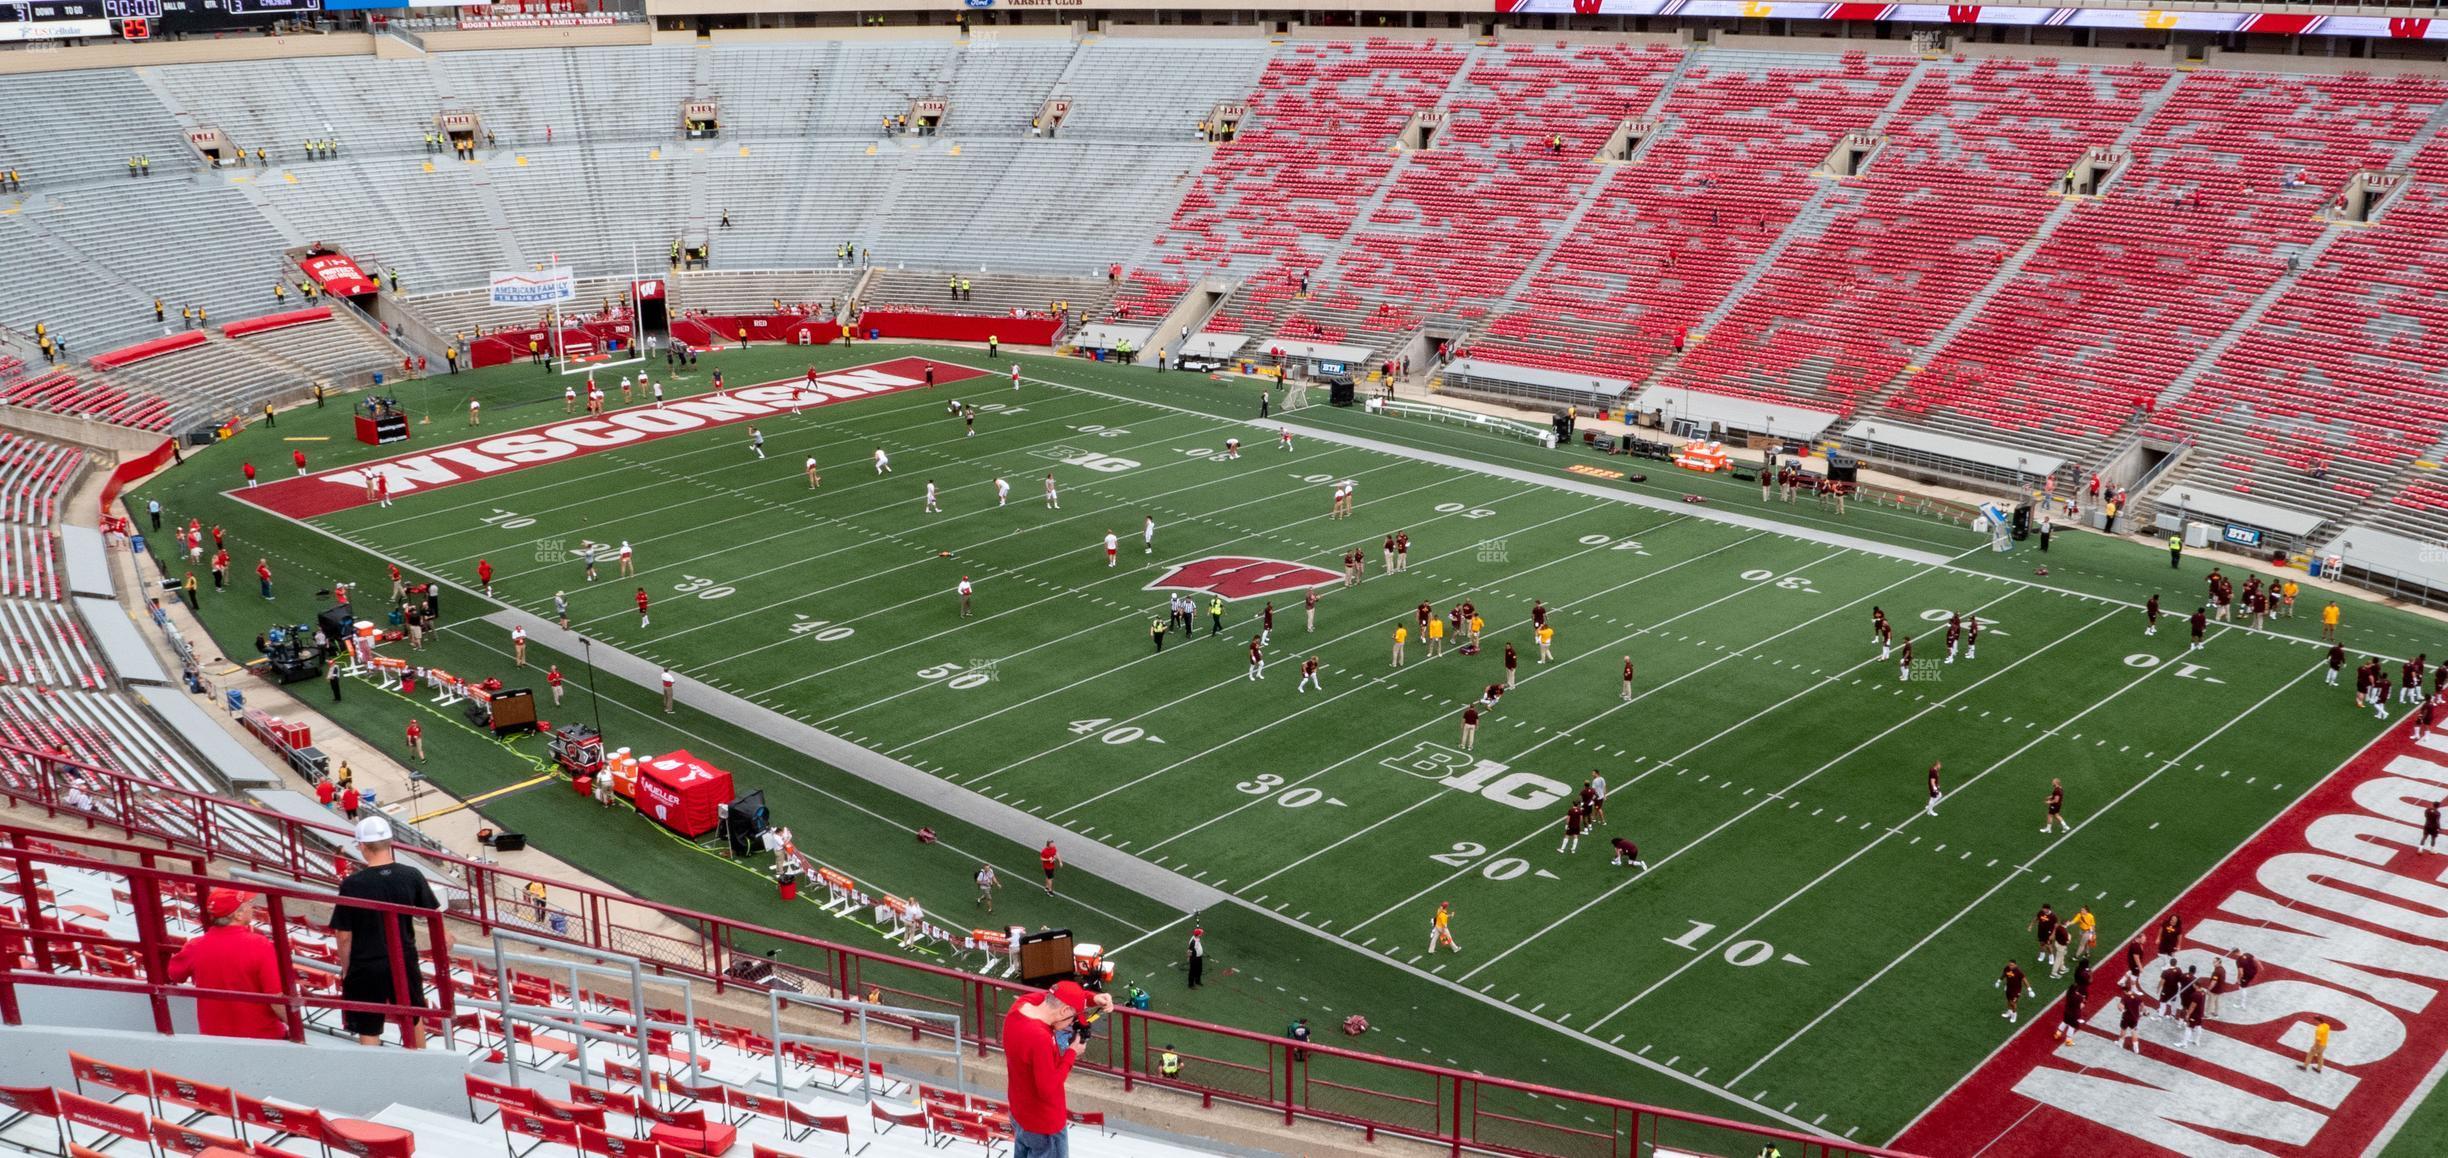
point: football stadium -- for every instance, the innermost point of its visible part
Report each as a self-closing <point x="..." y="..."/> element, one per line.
<point x="1887" y="562"/>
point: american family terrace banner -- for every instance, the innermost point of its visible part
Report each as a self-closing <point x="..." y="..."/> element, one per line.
<point x="2133" y="19"/>
<point x="542" y="287"/>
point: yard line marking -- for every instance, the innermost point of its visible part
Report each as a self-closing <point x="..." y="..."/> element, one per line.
<point x="1058" y="593"/>
<point x="1355" y="633"/>
<point x="1874" y="842"/>
<point x="1548" y="828"/>
<point x="2206" y="873"/>
<point x="1128" y="784"/>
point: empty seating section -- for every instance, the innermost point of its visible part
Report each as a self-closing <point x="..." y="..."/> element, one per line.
<point x="2344" y="374"/>
<point x="2128" y="291"/>
<point x="33" y="477"/>
<point x="600" y="209"/>
<point x="995" y="86"/>
<point x="1156" y="89"/>
<point x="1963" y="181"/>
<point x="369" y="104"/>
<point x="389" y="213"/>
<point x="756" y="293"/>
<point x="78" y="128"/>
<point x="990" y="294"/>
<point x="224" y="258"/>
<point x="1673" y="232"/>
<point x="702" y="1087"/>
<point x="1277" y="201"/>
<point x="1465" y="217"/>
<point x="333" y="348"/>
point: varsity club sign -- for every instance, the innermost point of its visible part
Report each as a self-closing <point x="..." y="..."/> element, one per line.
<point x="340" y="490"/>
<point x="1241" y="577"/>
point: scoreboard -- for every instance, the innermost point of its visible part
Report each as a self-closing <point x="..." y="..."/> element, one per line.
<point x="24" y="20"/>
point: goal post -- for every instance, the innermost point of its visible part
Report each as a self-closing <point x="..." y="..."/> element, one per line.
<point x="586" y="354"/>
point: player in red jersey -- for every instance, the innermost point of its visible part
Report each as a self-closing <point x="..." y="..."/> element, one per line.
<point x="2337" y="662"/>
<point x="1628" y="854"/>
<point x="2200" y="623"/>
<point x="1575" y="820"/>
<point x="1881" y="632"/>
<point x="2056" y="808"/>
<point x="1309" y="675"/>
<point x="1387" y="555"/>
<point x="1470" y="725"/>
<point x="2129" y="1020"/>
<point x="1538" y="613"/>
<point x="1266" y="624"/>
<point x="1954" y="635"/>
<point x="2411" y="675"/>
<point x="1512" y="666"/>
<point x="643" y="617"/>
<point x="1494" y="693"/>
<point x="1309" y="604"/>
<point x="484" y="576"/>
<point x="1936" y="793"/>
<point x="1257" y="667"/>
<point x="1971" y="634"/>
<point x="1904" y="660"/>
<point x="2150" y="615"/>
<point x="1425" y="613"/>
<point x="1402" y="550"/>
<point x="1627" y="679"/>
<point x="1049" y="860"/>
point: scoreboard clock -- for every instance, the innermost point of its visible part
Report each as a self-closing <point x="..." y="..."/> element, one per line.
<point x="132" y="9"/>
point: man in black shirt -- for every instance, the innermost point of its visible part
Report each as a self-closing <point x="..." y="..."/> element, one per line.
<point x="365" y="948"/>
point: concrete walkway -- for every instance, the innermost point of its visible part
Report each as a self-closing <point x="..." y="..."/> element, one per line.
<point x="1093" y="857"/>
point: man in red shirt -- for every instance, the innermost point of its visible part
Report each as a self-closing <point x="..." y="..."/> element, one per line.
<point x="249" y="469"/>
<point x="643" y="618"/>
<point x="263" y="575"/>
<point x="298" y="457"/>
<point x="416" y="740"/>
<point x="552" y="679"/>
<point x="231" y="955"/>
<point x="1049" y="860"/>
<point x="1039" y="1048"/>
<point x="484" y="575"/>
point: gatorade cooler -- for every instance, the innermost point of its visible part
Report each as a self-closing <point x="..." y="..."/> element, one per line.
<point x="790" y="888"/>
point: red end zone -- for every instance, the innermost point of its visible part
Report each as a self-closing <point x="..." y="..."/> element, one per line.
<point x="338" y="490"/>
<point x="2349" y="922"/>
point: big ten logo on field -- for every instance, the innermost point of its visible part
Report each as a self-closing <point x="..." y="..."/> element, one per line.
<point x="552" y="550"/>
<point x="1463" y="772"/>
<point x="1493" y="551"/>
<point x="1087" y="459"/>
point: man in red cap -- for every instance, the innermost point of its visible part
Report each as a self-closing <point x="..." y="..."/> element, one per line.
<point x="231" y="955"/>
<point x="1040" y="1044"/>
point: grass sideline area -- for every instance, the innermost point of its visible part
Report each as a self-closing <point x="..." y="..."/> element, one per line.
<point x="1797" y="907"/>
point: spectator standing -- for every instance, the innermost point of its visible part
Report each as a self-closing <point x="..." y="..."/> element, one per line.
<point x="366" y="938"/>
<point x="1198" y="954"/>
<point x="331" y="672"/>
<point x="263" y="575"/>
<point x="229" y="954"/>
<point x="1040" y="1045"/>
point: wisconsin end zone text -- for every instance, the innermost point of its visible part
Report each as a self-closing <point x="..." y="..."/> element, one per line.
<point x="2349" y="922"/>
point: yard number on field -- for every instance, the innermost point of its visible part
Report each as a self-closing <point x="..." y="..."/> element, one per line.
<point x="1266" y="782"/>
<point x="823" y="629"/>
<point x="507" y="520"/>
<point x="1467" y="854"/>
<point x="1788" y="582"/>
<point x="1939" y="615"/>
<point x="1120" y="734"/>
<point x="1613" y="544"/>
<point x="1743" y="954"/>
<point x="701" y="587"/>
<point x="955" y="675"/>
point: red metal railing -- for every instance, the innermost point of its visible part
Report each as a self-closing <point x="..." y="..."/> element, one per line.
<point x="44" y="939"/>
<point x="1363" y="1091"/>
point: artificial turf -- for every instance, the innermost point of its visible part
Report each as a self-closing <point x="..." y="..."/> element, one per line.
<point x="1797" y="904"/>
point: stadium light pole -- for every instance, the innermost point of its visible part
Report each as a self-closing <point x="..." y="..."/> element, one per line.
<point x="594" y="698"/>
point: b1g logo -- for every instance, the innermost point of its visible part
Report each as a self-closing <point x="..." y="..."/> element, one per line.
<point x="1459" y="770"/>
<point x="1241" y="577"/>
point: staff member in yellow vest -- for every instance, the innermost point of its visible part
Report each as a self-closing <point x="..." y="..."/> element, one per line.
<point x="1169" y="1063"/>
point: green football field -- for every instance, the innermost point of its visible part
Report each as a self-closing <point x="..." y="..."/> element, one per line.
<point x="1805" y="946"/>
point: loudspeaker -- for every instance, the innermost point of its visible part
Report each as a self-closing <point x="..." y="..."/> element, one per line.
<point x="744" y="820"/>
<point x="1045" y="957"/>
<point x="509" y="841"/>
<point x="1340" y="393"/>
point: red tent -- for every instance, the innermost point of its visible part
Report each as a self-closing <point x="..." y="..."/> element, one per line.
<point x="685" y="793"/>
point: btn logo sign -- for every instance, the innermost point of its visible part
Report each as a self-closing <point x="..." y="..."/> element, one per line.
<point x="1241" y="577"/>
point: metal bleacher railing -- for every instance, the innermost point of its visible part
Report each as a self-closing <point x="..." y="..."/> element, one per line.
<point x="1302" y="1082"/>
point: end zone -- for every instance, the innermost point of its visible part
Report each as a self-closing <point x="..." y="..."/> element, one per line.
<point x="485" y="456"/>
<point x="2349" y="922"/>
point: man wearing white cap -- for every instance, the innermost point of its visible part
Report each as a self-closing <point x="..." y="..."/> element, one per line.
<point x="365" y="939"/>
